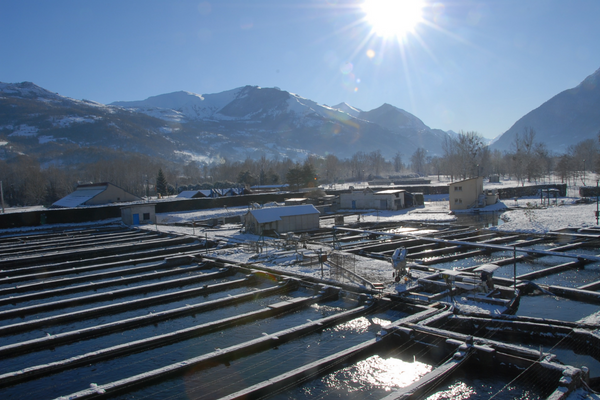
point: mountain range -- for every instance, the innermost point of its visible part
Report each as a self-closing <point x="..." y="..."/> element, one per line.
<point x="244" y="122"/>
<point x="251" y="121"/>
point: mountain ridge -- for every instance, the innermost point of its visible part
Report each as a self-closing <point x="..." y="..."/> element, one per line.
<point x="567" y="118"/>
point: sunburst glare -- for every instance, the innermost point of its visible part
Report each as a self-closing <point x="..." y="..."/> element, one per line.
<point x="393" y="18"/>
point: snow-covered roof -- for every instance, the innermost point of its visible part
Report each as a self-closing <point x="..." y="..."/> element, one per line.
<point x="465" y="180"/>
<point x="269" y="186"/>
<point x="187" y="194"/>
<point x="272" y="214"/>
<point x="205" y="192"/>
<point x="79" y="197"/>
<point x="490" y="268"/>
<point x="390" y="191"/>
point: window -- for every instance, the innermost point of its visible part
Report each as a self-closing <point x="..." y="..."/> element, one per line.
<point x="146" y="216"/>
<point x="458" y="188"/>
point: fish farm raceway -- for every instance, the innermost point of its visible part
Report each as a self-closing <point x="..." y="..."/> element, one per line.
<point x="108" y="311"/>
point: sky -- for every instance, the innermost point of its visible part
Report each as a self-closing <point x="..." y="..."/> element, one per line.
<point x="464" y="65"/>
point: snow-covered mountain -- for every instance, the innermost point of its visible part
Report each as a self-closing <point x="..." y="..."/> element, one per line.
<point x="245" y="103"/>
<point x="348" y="109"/>
<point x="288" y="121"/>
<point x="245" y="122"/>
<point x="564" y="120"/>
<point x="186" y="105"/>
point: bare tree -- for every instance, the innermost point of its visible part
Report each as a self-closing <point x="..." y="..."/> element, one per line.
<point x="563" y="167"/>
<point x="525" y="162"/>
<point x="398" y="166"/>
<point x="418" y="161"/>
<point x="469" y="150"/>
<point x="464" y="156"/>
<point x="450" y="159"/>
<point x="331" y="167"/>
<point x="358" y="164"/>
<point x="376" y="162"/>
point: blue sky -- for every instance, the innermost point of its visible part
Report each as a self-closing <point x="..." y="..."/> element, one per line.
<point x="471" y="65"/>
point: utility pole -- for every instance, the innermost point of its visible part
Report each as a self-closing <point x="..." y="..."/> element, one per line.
<point x="515" y="267"/>
<point x="321" y="261"/>
<point x="2" y="196"/>
<point x="597" y="194"/>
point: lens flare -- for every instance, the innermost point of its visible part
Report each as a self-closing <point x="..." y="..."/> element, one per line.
<point x="346" y="68"/>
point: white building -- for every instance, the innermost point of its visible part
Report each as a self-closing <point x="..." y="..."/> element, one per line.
<point x="139" y="214"/>
<point x="392" y="199"/>
<point x="283" y="219"/>
<point x="469" y="193"/>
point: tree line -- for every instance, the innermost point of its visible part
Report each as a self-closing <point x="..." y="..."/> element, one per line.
<point x="26" y="182"/>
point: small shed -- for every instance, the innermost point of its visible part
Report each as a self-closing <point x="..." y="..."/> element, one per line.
<point x="283" y="219"/>
<point x="139" y="214"/>
<point x="494" y="179"/>
<point x="549" y="193"/>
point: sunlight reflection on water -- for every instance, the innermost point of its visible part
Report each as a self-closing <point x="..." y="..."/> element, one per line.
<point x="458" y="391"/>
<point x="477" y="389"/>
<point x="370" y="374"/>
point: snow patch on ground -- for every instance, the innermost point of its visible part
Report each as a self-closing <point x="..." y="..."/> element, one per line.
<point x="69" y="120"/>
<point x="25" y="130"/>
<point x="467" y="306"/>
<point x="432" y="214"/>
<point x="593" y="319"/>
<point x="45" y="139"/>
<point x="164" y="114"/>
<point x="188" y="155"/>
<point x="200" y="215"/>
<point x="566" y="214"/>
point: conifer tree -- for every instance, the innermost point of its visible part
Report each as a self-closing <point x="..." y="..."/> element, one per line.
<point x="161" y="183"/>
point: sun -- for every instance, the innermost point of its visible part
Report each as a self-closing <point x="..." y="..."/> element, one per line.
<point x="390" y="18"/>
